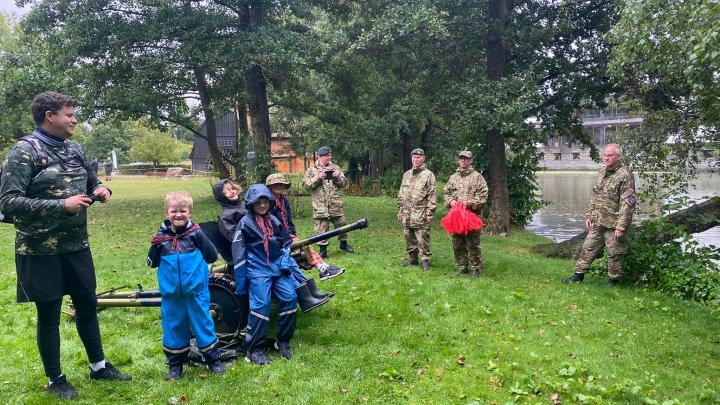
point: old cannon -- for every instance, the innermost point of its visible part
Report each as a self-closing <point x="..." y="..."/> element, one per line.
<point x="228" y="311"/>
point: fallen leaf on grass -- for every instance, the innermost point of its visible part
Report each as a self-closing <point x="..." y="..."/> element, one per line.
<point x="7" y="382"/>
<point x="343" y="390"/>
<point x="395" y="352"/>
<point x="182" y="399"/>
<point x="555" y="399"/>
<point x="420" y="371"/>
<point x="362" y="399"/>
<point x="460" y="360"/>
<point x="573" y="307"/>
<point x="202" y="375"/>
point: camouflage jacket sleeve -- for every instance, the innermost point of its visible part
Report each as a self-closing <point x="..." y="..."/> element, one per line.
<point x="401" y="193"/>
<point x="17" y="174"/>
<point x="628" y="200"/>
<point x="449" y="191"/>
<point x="432" y="196"/>
<point x="340" y="180"/>
<point x="480" y="195"/>
<point x="310" y="180"/>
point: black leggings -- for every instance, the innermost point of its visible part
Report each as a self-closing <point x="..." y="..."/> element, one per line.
<point x="48" y="331"/>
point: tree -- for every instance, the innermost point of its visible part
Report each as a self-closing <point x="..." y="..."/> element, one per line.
<point x="156" y="147"/>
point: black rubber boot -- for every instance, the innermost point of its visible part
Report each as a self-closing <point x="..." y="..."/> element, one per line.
<point x="575" y="278"/>
<point x="174" y="373"/>
<point x="315" y="292"/>
<point x="425" y="264"/>
<point x="306" y="300"/>
<point x="323" y="251"/>
<point x="346" y="246"/>
<point x="412" y="260"/>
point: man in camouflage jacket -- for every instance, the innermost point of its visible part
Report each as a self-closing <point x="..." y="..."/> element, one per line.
<point x="417" y="201"/>
<point x="44" y="187"/>
<point x="468" y="186"/>
<point x="324" y="180"/>
<point x="608" y="216"/>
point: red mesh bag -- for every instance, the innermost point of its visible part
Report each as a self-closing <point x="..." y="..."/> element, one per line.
<point x="460" y="220"/>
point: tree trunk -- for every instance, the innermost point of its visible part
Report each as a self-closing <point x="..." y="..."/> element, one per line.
<point x="405" y="152"/>
<point x="258" y="104"/>
<point x="694" y="219"/>
<point x="499" y="221"/>
<point x="425" y="136"/>
<point x="241" y="142"/>
<point x="215" y="153"/>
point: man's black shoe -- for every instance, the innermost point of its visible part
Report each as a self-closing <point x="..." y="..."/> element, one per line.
<point x="217" y="367"/>
<point x="61" y="388"/>
<point x="346" y="246"/>
<point x="109" y="373"/>
<point x="575" y="278"/>
<point x="331" y="272"/>
<point x="323" y="251"/>
<point x="612" y="282"/>
<point x="174" y="373"/>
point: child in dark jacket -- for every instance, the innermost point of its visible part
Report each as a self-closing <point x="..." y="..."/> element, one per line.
<point x="227" y="194"/>
<point x="262" y="264"/>
<point x="181" y="250"/>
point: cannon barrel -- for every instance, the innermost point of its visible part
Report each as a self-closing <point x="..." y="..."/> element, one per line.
<point x="359" y="224"/>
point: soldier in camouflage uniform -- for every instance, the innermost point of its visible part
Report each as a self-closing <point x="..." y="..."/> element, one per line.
<point x="468" y="186"/>
<point x="417" y="201"/>
<point x="608" y="216"/>
<point x="43" y="189"/>
<point x="324" y="180"/>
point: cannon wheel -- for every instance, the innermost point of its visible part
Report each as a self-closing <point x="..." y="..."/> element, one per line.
<point x="230" y="313"/>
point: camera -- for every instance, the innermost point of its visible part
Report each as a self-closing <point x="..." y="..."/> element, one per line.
<point x="93" y="198"/>
<point x="329" y="174"/>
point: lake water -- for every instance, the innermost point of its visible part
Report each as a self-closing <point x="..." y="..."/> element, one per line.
<point x="569" y="193"/>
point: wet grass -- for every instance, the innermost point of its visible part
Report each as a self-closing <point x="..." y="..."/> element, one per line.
<point x="391" y="334"/>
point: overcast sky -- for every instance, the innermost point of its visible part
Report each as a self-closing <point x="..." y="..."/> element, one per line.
<point x="9" y="6"/>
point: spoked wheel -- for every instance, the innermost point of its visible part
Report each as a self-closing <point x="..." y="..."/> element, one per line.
<point x="229" y="313"/>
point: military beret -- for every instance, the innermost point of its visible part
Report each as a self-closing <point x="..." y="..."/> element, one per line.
<point x="465" y="154"/>
<point x="324" y="150"/>
<point x="417" y="151"/>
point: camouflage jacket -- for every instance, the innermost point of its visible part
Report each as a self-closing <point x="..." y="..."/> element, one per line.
<point x="417" y="198"/>
<point x="467" y="186"/>
<point x="325" y="193"/>
<point x="613" y="198"/>
<point x="36" y="200"/>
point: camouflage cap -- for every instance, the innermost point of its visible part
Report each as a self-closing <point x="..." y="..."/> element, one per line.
<point x="323" y="151"/>
<point x="277" y="178"/>
<point x="417" y="151"/>
<point x="465" y="154"/>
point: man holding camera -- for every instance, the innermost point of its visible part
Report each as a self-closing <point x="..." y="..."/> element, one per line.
<point x="324" y="180"/>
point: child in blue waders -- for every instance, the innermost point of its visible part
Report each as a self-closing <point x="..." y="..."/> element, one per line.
<point x="262" y="261"/>
<point x="181" y="252"/>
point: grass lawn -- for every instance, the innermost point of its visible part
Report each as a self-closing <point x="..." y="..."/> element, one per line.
<point x="391" y="334"/>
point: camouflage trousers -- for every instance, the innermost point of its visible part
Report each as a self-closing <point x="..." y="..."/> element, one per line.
<point x="323" y="225"/>
<point x="597" y="238"/>
<point x="417" y="240"/>
<point x="466" y="247"/>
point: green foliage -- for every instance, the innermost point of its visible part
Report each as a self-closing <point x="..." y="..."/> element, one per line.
<point x="525" y="197"/>
<point x="154" y="146"/>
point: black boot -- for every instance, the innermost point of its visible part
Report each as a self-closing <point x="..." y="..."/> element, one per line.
<point x="315" y="292"/>
<point x="306" y="300"/>
<point x="323" y="251"/>
<point x="346" y="246"/>
<point x="575" y="278"/>
<point x="60" y="387"/>
<point x="412" y="260"/>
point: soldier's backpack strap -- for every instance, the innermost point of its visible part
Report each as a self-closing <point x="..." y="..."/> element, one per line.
<point x="40" y="164"/>
<point x="42" y="157"/>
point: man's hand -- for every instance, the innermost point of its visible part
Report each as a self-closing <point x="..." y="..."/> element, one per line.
<point x="588" y="223"/>
<point x="103" y="193"/>
<point x="618" y="234"/>
<point x="336" y="173"/>
<point x="429" y="218"/>
<point x="76" y="204"/>
<point x="452" y="203"/>
<point x="399" y="216"/>
<point x="320" y="175"/>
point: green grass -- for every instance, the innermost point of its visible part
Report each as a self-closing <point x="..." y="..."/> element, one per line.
<point x="391" y="334"/>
